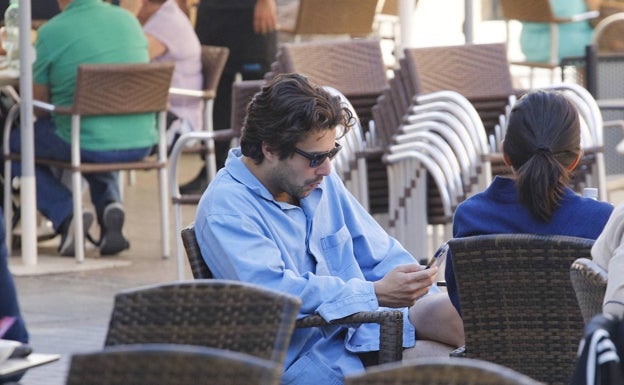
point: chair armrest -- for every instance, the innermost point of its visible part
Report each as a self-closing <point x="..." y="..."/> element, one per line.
<point x="193" y="93"/>
<point x="178" y="147"/>
<point x="391" y="329"/>
<point x="43" y="105"/>
<point x="578" y="17"/>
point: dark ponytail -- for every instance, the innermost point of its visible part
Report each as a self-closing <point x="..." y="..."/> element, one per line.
<point x="542" y="142"/>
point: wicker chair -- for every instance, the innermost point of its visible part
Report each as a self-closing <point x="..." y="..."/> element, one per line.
<point x="441" y="371"/>
<point x="356" y="68"/>
<point x="222" y="314"/>
<point x="518" y="305"/>
<point x="390" y="322"/>
<point x="590" y="283"/>
<point x="213" y="60"/>
<point x="333" y="17"/>
<point x="540" y="11"/>
<point x="480" y="72"/>
<point x="109" y="89"/>
<point x="242" y="92"/>
<point x="169" y="364"/>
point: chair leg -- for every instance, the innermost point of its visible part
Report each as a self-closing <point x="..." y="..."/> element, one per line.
<point x="177" y="212"/>
<point x="164" y="212"/>
<point x="8" y="206"/>
<point x="79" y="248"/>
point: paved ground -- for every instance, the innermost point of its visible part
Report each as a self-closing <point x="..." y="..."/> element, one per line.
<point x="68" y="312"/>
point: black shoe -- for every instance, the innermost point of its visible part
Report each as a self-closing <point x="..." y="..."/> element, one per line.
<point x="197" y="185"/>
<point x="66" y="247"/>
<point x="113" y="241"/>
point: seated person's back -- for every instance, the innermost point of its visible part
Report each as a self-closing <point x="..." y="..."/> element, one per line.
<point x="91" y="31"/>
<point x="542" y="146"/>
<point x="171" y="37"/>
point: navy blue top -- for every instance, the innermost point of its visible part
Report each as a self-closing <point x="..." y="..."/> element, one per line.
<point x="498" y="211"/>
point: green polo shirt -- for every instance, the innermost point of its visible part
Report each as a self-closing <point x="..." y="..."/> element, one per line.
<point x="92" y="31"/>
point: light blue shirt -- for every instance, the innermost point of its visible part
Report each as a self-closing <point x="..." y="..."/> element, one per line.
<point x="328" y="251"/>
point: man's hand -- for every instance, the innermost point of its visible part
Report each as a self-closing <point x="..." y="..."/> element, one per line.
<point x="402" y="286"/>
<point x="265" y="16"/>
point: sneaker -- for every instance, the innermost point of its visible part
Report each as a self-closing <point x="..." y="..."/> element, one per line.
<point x="113" y="241"/>
<point x="66" y="247"/>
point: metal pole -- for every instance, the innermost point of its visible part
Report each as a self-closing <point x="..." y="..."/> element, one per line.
<point x="28" y="202"/>
<point x="468" y="21"/>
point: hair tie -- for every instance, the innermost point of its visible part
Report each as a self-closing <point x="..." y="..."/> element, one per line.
<point x="542" y="150"/>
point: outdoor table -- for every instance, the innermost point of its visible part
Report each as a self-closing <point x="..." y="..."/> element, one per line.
<point x="15" y="366"/>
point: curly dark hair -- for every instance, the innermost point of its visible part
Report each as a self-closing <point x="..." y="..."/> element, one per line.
<point x="285" y="111"/>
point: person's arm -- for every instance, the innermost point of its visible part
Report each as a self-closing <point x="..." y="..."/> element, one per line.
<point x="265" y="16"/>
<point x="41" y="92"/>
<point x="155" y="46"/>
<point x="608" y="252"/>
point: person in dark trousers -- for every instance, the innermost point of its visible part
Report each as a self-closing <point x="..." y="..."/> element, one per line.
<point x="248" y="29"/>
<point x="39" y="9"/>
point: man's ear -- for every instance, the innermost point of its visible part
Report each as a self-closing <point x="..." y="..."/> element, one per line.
<point x="269" y="154"/>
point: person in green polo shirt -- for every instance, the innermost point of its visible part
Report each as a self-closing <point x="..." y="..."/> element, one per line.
<point x="86" y="31"/>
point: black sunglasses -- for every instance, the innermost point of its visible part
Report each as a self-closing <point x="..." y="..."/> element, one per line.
<point x="317" y="158"/>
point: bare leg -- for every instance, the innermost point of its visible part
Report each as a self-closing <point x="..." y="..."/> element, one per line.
<point x="425" y="348"/>
<point x="435" y="319"/>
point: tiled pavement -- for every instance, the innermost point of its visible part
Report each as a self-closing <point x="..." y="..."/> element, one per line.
<point x="68" y="312"/>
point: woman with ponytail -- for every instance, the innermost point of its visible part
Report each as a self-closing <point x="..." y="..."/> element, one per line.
<point x="542" y="147"/>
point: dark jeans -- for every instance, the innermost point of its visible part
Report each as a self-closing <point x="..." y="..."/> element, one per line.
<point x="54" y="199"/>
<point x="251" y="55"/>
<point x="8" y="296"/>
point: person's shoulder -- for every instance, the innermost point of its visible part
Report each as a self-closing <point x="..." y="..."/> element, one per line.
<point x="618" y="211"/>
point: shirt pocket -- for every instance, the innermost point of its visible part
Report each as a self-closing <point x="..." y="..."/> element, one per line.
<point x="339" y="255"/>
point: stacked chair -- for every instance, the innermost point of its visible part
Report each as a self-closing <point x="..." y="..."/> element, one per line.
<point x="480" y="72"/>
<point x="242" y="92"/>
<point x="356" y="68"/>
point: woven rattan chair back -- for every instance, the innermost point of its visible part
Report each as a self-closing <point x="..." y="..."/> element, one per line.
<point x="334" y="17"/>
<point x="198" y="266"/>
<point x="473" y="70"/>
<point x="223" y="314"/>
<point x="213" y="60"/>
<point x="518" y="305"/>
<point x="110" y="89"/>
<point x="390" y="321"/>
<point x="105" y="89"/>
<point x="441" y="371"/>
<point x="354" y="67"/>
<point x="590" y="283"/>
<point x="535" y="11"/>
<point x="169" y="364"/>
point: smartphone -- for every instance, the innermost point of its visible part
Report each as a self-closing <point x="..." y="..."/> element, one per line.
<point x="439" y="257"/>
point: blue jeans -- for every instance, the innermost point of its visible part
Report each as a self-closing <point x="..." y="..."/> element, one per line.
<point x="54" y="199"/>
<point x="8" y="296"/>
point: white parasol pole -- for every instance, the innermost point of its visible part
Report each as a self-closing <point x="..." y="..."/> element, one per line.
<point x="28" y="202"/>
